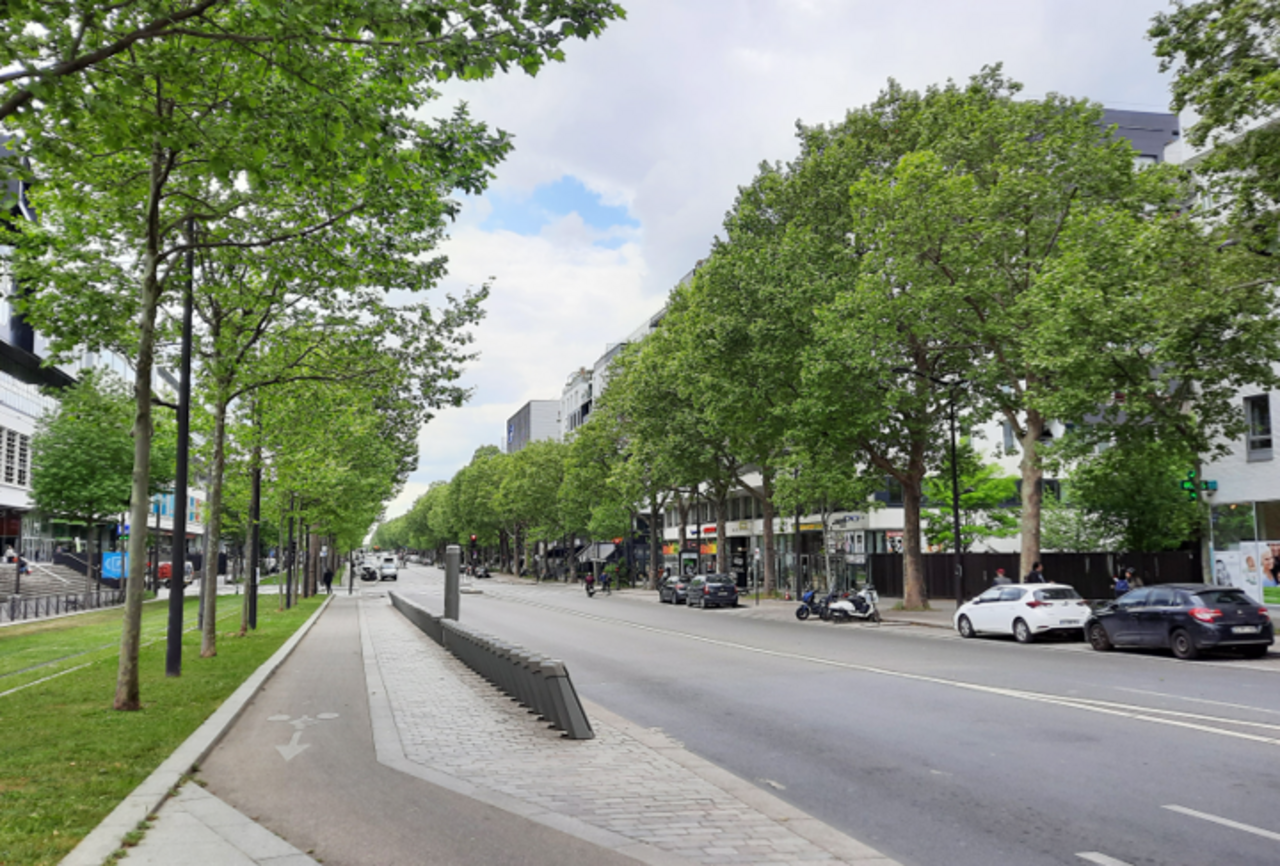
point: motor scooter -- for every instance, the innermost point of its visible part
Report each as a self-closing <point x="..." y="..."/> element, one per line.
<point x="860" y="605"/>
<point x="810" y="605"/>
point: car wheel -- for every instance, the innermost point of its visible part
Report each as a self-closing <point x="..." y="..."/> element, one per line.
<point x="1254" y="652"/>
<point x="1183" y="646"/>
<point x="1098" y="638"/>
<point x="802" y="613"/>
<point x="1022" y="631"/>
<point x="965" y="627"/>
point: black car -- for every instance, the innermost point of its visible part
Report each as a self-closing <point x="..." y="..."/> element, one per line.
<point x="674" y="589"/>
<point x="712" y="590"/>
<point x="1187" y="618"/>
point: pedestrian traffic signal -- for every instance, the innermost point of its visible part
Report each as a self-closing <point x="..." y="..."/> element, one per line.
<point x="1190" y="486"/>
<point x="473" y="539"/>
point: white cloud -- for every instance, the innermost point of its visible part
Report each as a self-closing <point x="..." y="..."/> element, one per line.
<point x="674" y="108"/>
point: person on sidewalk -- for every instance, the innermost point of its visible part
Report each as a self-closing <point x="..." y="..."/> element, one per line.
<point x="328" y="580"/>
<point x="1036" y="575"/>
<point x="1001" y="579"/>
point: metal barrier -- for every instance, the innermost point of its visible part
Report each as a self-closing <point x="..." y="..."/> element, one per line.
<point x="542" y="684"/>
<point x="19" y="608"/>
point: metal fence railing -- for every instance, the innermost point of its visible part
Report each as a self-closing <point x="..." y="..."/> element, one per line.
<point x="19" y="608"/>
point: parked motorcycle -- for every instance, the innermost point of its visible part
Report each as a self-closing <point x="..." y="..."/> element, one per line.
<point x="810" y="605"/>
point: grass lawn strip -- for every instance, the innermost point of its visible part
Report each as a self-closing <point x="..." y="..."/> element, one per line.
<point x="27" y="656"/>
<point x="67" y="759"/>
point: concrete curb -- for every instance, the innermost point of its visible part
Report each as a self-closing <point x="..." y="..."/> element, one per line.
<point x="95" y="848"/>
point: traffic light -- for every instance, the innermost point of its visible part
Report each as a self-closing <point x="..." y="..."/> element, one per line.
<point x="1190" y="486"/>
<point x="473" y="539"/>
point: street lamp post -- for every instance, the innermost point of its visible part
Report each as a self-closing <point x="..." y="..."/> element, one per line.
<point x="955" y="499"/>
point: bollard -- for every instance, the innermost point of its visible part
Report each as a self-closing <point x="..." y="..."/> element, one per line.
<point x="452" y="563"/>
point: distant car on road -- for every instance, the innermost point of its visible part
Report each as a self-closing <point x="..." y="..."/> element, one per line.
<point x="712" y="590"/>
<point x="1024" y="610"/>
<point x="674" y="589"/>
<point x="1187" y="618"/>
<point x="387" y="570"/>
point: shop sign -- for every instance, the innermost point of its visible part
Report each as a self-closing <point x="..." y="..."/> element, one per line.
<point x="811" y="527"/>
<point x="708" y="548"/>
<point x="744" y="525"/>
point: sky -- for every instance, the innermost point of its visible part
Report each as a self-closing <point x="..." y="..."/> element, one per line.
<point x="628" y="155"/>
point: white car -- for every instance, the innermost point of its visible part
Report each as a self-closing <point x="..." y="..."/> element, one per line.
<point x="387" y="570"/>
<point x="1024" y="610"/>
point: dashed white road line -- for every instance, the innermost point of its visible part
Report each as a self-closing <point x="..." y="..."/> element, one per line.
<point x="1198" y="700"/>
<point x="1226" y="822"/>
<point x="1101" y="859"/>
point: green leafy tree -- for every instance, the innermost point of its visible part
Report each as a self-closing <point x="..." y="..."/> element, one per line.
<point x="1226" y="61"/>
<point x="310" y="119"/>
<point x="1133" y="496"/>
<point x="985" y="492"/>
<point x="528" y="498"/>
<point x="82" y="455"/>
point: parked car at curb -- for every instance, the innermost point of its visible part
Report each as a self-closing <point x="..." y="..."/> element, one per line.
<point x="1024" y="610"/>
<point x="1186" y="618"/>
<point x="712" y="590"/>
<point x="674" y="589"/>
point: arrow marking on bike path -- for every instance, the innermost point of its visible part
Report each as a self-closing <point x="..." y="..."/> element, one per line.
<point x="293" y="748"/>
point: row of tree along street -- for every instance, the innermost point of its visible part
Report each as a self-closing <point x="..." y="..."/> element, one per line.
<point x="958" y="248"/>
<point x="266" y="161"/>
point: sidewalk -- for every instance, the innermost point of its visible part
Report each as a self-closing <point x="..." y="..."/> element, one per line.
<point x="372" y="744"/>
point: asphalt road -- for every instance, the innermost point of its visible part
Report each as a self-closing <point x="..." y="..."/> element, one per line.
<point x="933" y="749"/>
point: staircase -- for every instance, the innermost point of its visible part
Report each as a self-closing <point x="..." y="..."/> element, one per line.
<point x="45" y="579"/>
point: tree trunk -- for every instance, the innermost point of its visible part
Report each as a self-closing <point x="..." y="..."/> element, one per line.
<point x="722" y="536"/>
<point x="913" y="594"/>
<point x="770" y="567"/>
<point x="127" y="695"/>
<point x="1032" y="492"/>
<point x="655" y="544"/>
<point x="313" y="565"/>
<point x="213" y="527"/>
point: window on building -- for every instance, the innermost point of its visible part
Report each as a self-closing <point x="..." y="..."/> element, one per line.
<point x="1257" y="410"/>
<point x="1010" y="440"/>
<point x="10" y="456"/>
<point x="734" y="509"/>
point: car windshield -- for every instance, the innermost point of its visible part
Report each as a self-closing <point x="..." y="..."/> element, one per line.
<point x="1217" y="597"/>
<point x="1057" y="593"/>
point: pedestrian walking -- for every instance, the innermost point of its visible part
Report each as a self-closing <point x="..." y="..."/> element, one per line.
<point x="1001" y="579"/>
<point x="328" y="580"/>
<point x="1036" y="574"/>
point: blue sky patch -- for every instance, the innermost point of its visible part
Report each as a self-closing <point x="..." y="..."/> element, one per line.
<point x="528" y="214"/>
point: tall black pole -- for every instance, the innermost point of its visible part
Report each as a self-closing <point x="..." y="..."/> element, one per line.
<point x="955" y="503"/>
<point x="255" y="509"/>
<point x="288" y="581"/>
<point x="795" y="477"/>
<point x="177" y="569"/>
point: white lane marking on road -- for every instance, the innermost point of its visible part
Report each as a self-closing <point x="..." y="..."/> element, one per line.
<point x="1133" y="712"/>
<point x="293" y="748"/>
<point x="1101" y="859"/>
<point x="1199" y="700"/>
<point x="1226" y="822"/>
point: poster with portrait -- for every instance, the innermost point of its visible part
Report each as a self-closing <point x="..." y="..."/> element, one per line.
<point x="1226" y="567"/>
<point x="1248" y="577"/>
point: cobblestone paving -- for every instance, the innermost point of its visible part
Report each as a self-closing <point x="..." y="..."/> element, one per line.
<point x="452" y="721"/>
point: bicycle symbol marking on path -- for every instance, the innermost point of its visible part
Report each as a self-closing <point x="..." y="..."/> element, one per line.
<point x="293" y="748"/>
